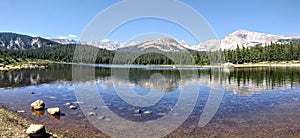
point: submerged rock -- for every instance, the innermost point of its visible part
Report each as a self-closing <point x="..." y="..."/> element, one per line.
<point x="161" y="114"/>
<point x="38" y="105"/>
<point x="147" y="112"/>
<point x="53" y="111"/>
<point x="107" y="119"/>
<point x="137" y="115"/>
<point x="36" y="130"/>
<point x="38" y="113"/>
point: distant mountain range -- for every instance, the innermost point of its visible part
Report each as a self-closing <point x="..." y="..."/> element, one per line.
<point x="242" y="38"/>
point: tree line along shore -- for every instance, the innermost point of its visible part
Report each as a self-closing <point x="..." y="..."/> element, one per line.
<point x="270" y="55"/>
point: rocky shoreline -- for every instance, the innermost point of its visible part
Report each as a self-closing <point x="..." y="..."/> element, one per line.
<point x="29" y="65"/>
<point x="12" y="125"/>
<point x="44" y="65"/>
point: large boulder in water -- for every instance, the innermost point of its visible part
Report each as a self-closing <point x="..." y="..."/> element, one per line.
<point x="38" y="105"/>
<point x="36" y="130"/>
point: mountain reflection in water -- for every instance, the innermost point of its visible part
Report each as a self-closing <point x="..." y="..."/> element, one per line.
<point x="242" y="81"/>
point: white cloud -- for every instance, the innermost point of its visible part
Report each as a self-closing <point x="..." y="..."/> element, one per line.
<point x="62" y="37"/>
<point x="72" y="36"/>
<point x="105" y="40"/>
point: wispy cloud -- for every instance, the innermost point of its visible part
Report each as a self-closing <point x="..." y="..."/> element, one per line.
<point x="72" y="36"/>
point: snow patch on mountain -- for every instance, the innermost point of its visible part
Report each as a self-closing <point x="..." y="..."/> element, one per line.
<point x="245" y="38"/>
<point x="164" y="44"/>
<point x="64" y="41"/>
<point x="210" y="45"/>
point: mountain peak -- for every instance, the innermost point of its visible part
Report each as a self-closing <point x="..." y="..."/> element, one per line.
<point x="245" y="38"/>
<point x="166" y="40"/>
<point x="241" y="32"/>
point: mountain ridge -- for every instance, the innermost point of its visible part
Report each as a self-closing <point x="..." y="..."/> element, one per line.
<point x="242" y="38"/>
<point x="16" y="41"/>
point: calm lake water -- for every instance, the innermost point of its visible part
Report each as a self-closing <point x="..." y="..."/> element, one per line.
<point x="257" y="102"/>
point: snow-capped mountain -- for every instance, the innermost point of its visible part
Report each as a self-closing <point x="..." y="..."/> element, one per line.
<point x="210" y="45"/>
<point x="245" y="38"/>
<point x="19" y="41"/>
<point x="185" y="44"/>
<point x="163" y="45"/>
<point x="105" y="44"/>
<point x="109" y="45"/>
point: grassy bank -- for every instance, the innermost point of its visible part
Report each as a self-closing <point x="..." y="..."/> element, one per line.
<point x="268" y="64"/>
<point x="32" y="64"/>
<point x="14" y="126"/>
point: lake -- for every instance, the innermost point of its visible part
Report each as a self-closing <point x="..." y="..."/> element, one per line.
<point x="243" y="102"/>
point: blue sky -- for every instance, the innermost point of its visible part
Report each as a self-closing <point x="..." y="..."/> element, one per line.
<point x="68" y="18"/>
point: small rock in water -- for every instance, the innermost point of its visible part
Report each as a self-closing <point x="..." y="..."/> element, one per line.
<point x="53" y="111"/>
<point x="31" y="93"/>
<point x="138" y="111"/>
<point x="36" y="130"/>
<point x="38" y="105"/>
<point x="101" y="117"/>
<point x="67" y="104"/>
<point x="94" y="108"/>
<point x="92" y="114"/>
<point x="137" y="115"/>
<point x="21" y="111"/>
<point x="72" y="107"/>
<point x="147" y="112"/>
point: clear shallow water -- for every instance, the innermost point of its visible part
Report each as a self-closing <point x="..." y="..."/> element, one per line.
<point x="257" y="102"/>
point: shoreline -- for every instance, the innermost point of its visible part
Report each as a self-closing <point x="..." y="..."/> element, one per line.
<point x="43" y="65"/>
<point x="26" y="65"/>
<point x="267" y="65"/>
